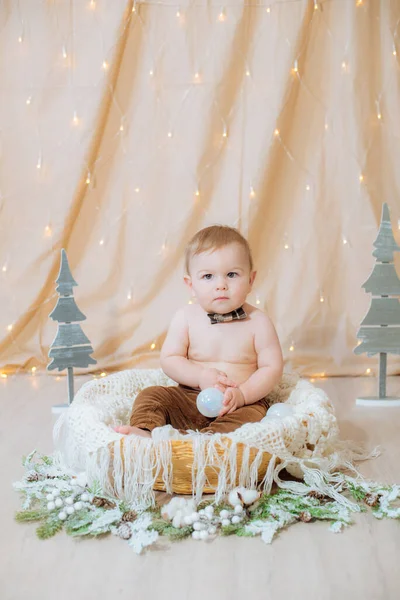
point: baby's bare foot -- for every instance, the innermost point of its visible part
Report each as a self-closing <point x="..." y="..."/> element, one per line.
<point x="128" y="430"/>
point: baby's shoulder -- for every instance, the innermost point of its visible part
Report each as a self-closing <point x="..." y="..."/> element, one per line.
<point x="254" y="313"/>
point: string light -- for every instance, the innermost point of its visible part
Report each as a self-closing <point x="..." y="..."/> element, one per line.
<point x="258" y="301"/>
<point x="368" y="371"/>
<point x="20" y="39"/>
<point x="29" y="100"/>
<point x="308" y="187"/>
<point x="151" y="73"/>
<point x="88" y="179"/>
<point x="316" y="5"/>
<point x="295" y="67"/>
<point x="248" y="73"/>
<point x="9" y="327"/>
<point x="344" y="241"/>
<point x="252" y="192"/>
<point x="129" y="296"/>
<point x="291" y="348"/>
<point x="3" y="376"/>
<point x="178" y="13"/>
<point x="197" y="77"/>
<point x="170" y="134"/>
<point x="326" y="126"/>
<point x="345" y="66"/>
<point x="137" y="190"/>
<point x="103" y="374"/>
<point x="153" y="346"/>
<point x="197" y="192"/>
<point x="92" y="4"/>
<point x="47" y="230"/>
<point x="276" y="132"/>
<point x="105" y="65"/>
<point x="394" y="52"/>
<point x="64" y="52"/>
<point x="4" y="269"/>
<point x="222" y="16"/>
<point x="268" y="9"/>
<point x="101" y="242"/>
<point x="75" y="119"/>
<point x="33" y="369"/>
<point x="39" y="163"/>
<point x="225" y="132"/>
<point x="286" y="246"/>
<point x="321" y="298"/>
<point x="361" y="178"/>
<point x="359" y="2"/>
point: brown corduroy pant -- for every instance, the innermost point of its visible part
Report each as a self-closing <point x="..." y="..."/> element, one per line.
<point x="160" y="405"/>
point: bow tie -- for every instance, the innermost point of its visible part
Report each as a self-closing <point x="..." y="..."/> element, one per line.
<point x="239" y="313"/>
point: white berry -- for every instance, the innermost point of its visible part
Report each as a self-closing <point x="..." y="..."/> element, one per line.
<point x="78" y="505"/>
<point x="56" y="493"/>
<point x="212" y="530"/>
<point x="225" y="522"/>
<point x="196" y="535"/>
<point x="62" y="516"/>
<point x="238" y="509"/>
<point x="69" y="501"/>
<point x="209" y="510"/>
<point x="203" y="535"/>
<point x="198" y="526"/>
<point x="188" y="520"/>
<point x="224" y="514"/>
<point x="49" y="497"/>
<point x="85" y="497"/>
<point x="202" y="511"/>
<point x="70" y="510"/>
<point x="236" y="519"/>
<point x="59" y="503"/>
<point x="51" y="505"/>
<point x="195" y="517"/>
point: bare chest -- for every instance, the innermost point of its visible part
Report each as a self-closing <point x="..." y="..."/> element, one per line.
<point x="231" y="342"/>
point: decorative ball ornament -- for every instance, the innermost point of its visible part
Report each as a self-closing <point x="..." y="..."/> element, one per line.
<point x="209" y="402"/>
<point x="280" y="410"/>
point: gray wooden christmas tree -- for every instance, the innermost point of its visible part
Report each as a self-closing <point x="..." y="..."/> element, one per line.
<point x="380" y="331"/>
<point x="70" y="348"/>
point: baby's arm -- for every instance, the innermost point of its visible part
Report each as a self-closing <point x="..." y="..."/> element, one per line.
<point x="174" y="361"/>
<point x="269" y="361"/>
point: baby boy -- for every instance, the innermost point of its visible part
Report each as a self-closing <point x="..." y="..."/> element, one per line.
<point x="219" y="341"/>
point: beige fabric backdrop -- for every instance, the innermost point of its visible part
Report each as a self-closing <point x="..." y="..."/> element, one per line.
<point x="126" y="128"/>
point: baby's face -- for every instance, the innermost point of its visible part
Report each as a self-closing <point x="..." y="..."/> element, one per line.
<point x="220" y="280"/>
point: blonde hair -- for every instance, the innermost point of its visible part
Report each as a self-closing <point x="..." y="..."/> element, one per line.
<point x="213" y="238"/>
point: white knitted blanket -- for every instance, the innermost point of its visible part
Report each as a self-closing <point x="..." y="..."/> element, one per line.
<point x="307" y="443"/>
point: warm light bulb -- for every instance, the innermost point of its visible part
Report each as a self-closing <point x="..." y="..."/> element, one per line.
<point x="75" y="119"/>
<point x="291" y="348"/>
<point x="9" y="327"/>
<point x="197" y="76"/>
<point x="286" y="246"/>
<point x="29" y="100"/>
<point x="394" y="51"/>
<point x="361" y="178"/>
<point x="221" y="16"/>
<point x="92" y="4"/>
<point x="151" y="73"/>
<point x="322" y="299"/>
<point x="101" y="242"/>
<point x="103" y="374"/>
<point x="344" y="65"/>
<point x="344" y="241"/>
<point x="170" y="134"/>
<point x="33" y="369"/>
<point x="129" y="296"/>
<point x="295" y="67"/>
<point x="64" y="52"/>
<point x="20" y="39"/>
<point x="379" y="115"/>
<point x="178" y="13"/>
<point x="308" y="187"/>
<point x="268" y="9"/>
<point x="121" y="127"/>
<point x="252" y="192"/>
<point x="88" y="179"/>
<point x="39" y="163"/>
<point x="153" y="346"/>
<point x="326" y="126"/>
<point x="225" y="133"/>
<point x="3" y="375"/>
<point x="137" y="190"/>
<point x="47" y="230"/>
<point x="359" y="2"/>
<point x="4" y="269"/>
<point x="276" y="132"/>
<point x="105" y="65"/>
<point x="368" y="371"/>
<point x="197" y="193"/>
<point x="315" y="5"/>
<point x="248" y="73"/>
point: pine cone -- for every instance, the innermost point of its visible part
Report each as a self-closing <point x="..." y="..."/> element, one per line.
<point x="33" y="477"/>
<point x="103" y="503"/>
<point x="371" y="499"/>
<point x="305" y="516"/>
<point x="129" y="516"/>
<point x="124" y="531"/>
<point x="318" y="495"/>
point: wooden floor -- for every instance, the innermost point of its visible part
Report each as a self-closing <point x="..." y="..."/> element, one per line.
<point x="306" y="562"/>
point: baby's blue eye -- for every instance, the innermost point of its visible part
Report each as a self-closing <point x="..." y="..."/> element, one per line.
<point x="208" y="275"/>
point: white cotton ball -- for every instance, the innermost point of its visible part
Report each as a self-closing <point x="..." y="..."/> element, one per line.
<point x="188" y="520"/>
<point x="69" y="501"/>
<point x="198" y="526"/>
<point x="203" y="535"/>
<point x="224" y="514"/>
<point x="196" y="535"/>
<point x="236" y="519"/>
<point x="62" y="516"/>
<point x="49" y="497"/>
<point x="177" y="520"/>
<point x="209" y="510"/>
<point x="59" y="503"/>
<point x="202" y="512"/>
<point x="70" y="510"/>
<point x="250" y="496"/>
<point x="78" y="505"/>
<point x="195" y="517"/>
<point x="233" y="497"/>
<point x="85" y="497"/>
<point x="225" y="522"/>
<point x="56" y="493"/>
<point x="212" y="530"/>
<point x="51" y="505"/>
<point x="238" y="509"/>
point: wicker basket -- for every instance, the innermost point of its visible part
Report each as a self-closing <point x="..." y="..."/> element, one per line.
<point x="182" y="457"/>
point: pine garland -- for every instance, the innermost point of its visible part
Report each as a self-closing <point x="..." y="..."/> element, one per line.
<point x="103" y="514"/>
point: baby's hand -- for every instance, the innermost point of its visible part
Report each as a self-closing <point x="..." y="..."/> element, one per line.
<point x="215" y="378"/>
<point x="233" y="399"/>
